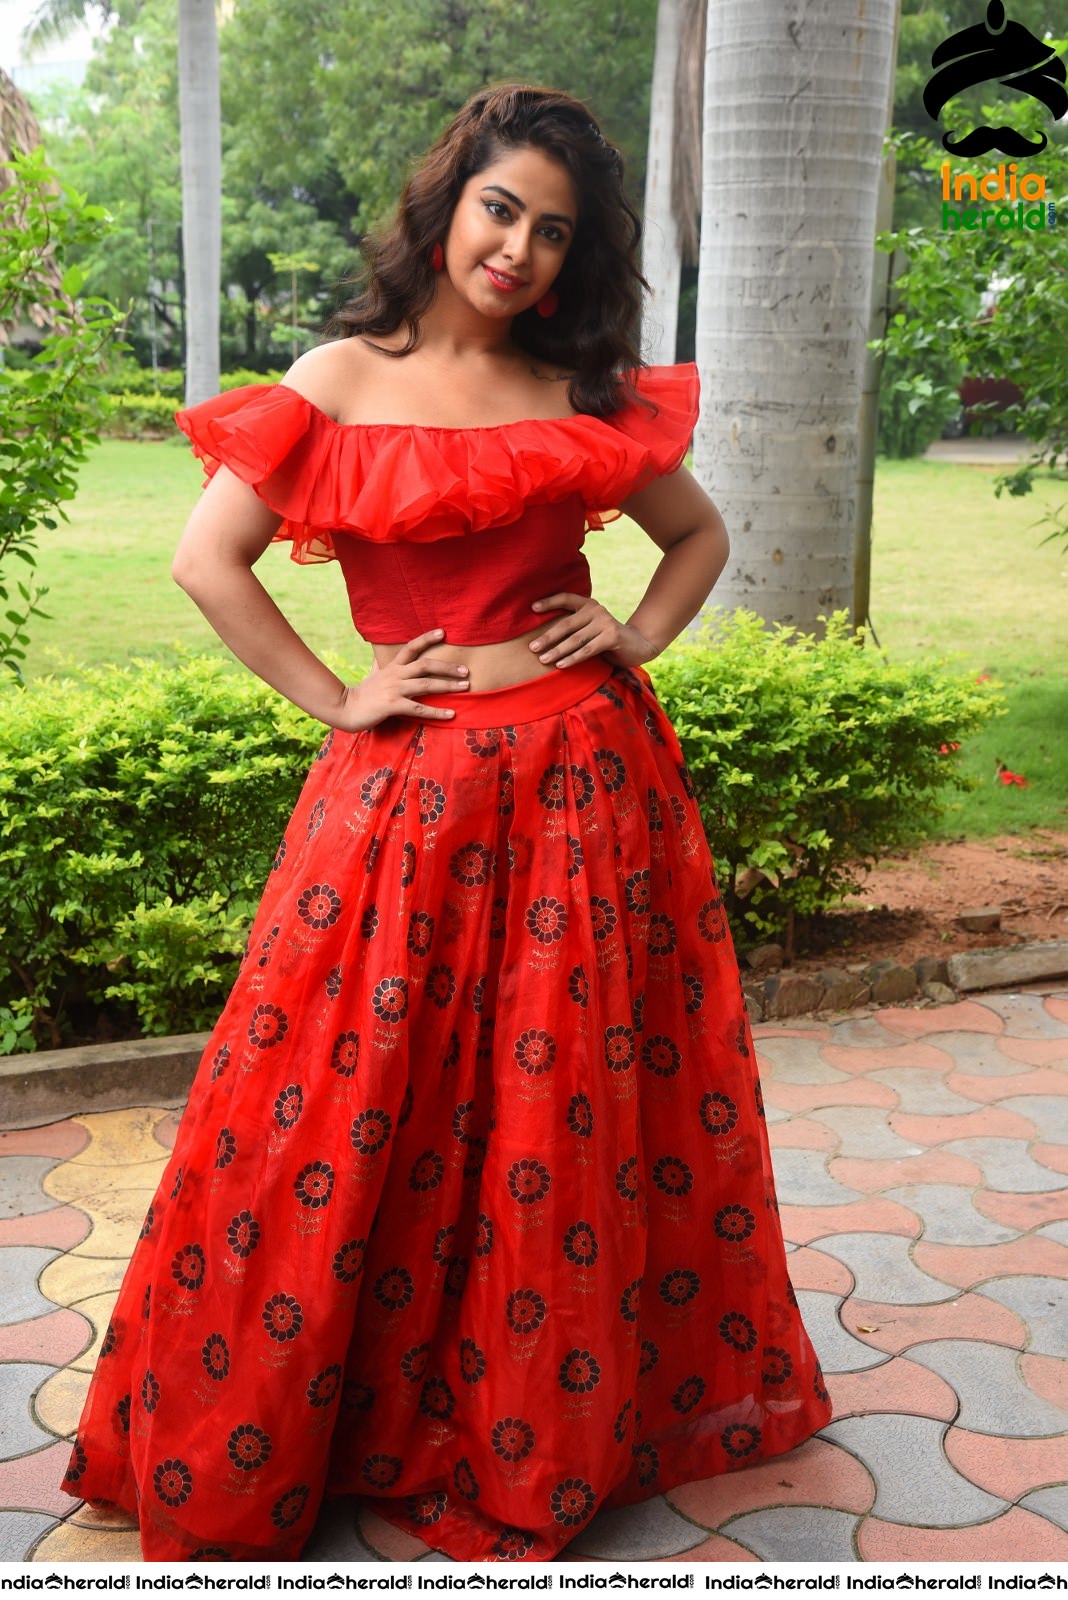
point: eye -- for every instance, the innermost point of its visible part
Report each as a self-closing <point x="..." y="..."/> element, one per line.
<point x="501" y="208"/>
<point x="553" y="234"/>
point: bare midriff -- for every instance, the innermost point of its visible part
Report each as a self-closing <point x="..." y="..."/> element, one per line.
<point x="490" y="666"/>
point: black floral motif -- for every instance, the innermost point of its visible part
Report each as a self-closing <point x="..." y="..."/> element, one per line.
<point x="580" y="1116"/>
<point x="122" y="1411"/>
<point x="381" y="1472"/>
<point x="546" y="919"/>
<point x="319" y="906"/>
<point x="672" y="1175"/>
<point x="604" y="919"/>
<point x="219" y="1062"/>
<point x="437" y="1399"/>
<point x="572" y="1502"/>
<point x="718" y="1113"/>
<point x="689" y="1393"/>
<point x="110" y="1339"/>
<point x="649" y="1358"/>
<point x="348" y="1260"/>
<point x="579" y="1372"/>
<point x="371" y="1131"/>
<point x="661" y="1055"/>
<point x="427" y="1172"/>
<point x="173" y="1482"/>
<point x="679" y="1286"/>
<point x="630" y="1301"/>
<point x="289" y="1508"/>
<point x="248" y="1447"/>
<point x="619" y="1427"/>
<point x="525" y="1310"/>
<point x="77" y="1464"/>
<point x="464" y="1480"/>
<point x="345" y="1055"/>
<point x="580" y="1245"/>
<point x="243" y="1234"/>
<point x="535" y="1052"/>
<point x="512" y="1544"/>
<point x="288" y="1106"/>
<point x="472" y="1361"/>
<point x="483" y="1235"/>
<point x="389" y="999"/>
<point x="646" y="1463"/>
<point x="427" y="1508"/>
<point x="528" y="1181"/>
<point x="150" y="1391"/>
<point x="188" y="1266"/>
<point x="578" y="986"/>
<point x="215" y="1355"/>
<point x="819" y="1388"/>
<point x="325" y="1387"/>
<point x="512" y="1438"/>
<point x="740" y="1440"/>
<point x="282" y="1317"/>
<point x="394" y="1289"/>
<point x="778" y="1365"/>
<point x="627" y="1179"/>
<point x="225" y="1149"/>
<point x="267" y="1026"/>
<point x="735" y="1222"/>
<point x="314" y="1184"/>
<point x="736" y="1330"/>
<point x="619" y="1047"/>
<point x="662" y="935"/>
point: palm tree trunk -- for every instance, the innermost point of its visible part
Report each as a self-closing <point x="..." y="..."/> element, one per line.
<point x="794" y="114"/>
<point x="199" y="116"/>
<point x="661" y="250"/>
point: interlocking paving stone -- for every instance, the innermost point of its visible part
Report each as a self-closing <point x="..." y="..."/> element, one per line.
<point x="795" y="1061"/>
<point x="918" y="1089"/>
<point x="72" y="1278"/>
<point x="796" y="1533"/>
<point x="1014" y="1536"/>
<point x="1014" y="1081"/>
<point x="19" y="1432"/>
<point x="969" y="1015"/>
<point x="969" y="1316"/>
<point x="871" y="1214"/>
<point x="60" y="1400"/>
<point x="883" y="1269"/>
<point x="948" y="1215"/>
<point x="985" y="1122"/>
<point x="60" y="1139"/>
<point x="1046" y="1376"/>
<point x="801" y="1134"/>
<point x="914" y="1481"/>
<point x="100" y="1517"/>
<point x="864" y="1033"/>
<point x="1024" y="1211"/>
<point x="20" y="1298"/>
<point x="57" y="1338"/>
<point x="873" y="1177"/>
<point x="1051" y="1503"/>
<point x="1057" y="1006"/>
<point x="805" y="1097"/>
<point x="1008" y="1467"/>
<point x="1043" y="1304"/>
<point x="32" y="1482"/>
<point x="974" y="1053"/>
<point x="388" y="1542"/>
<point x="1055" y="1230"/>
<point x="863" y="1132"/>
<point x="894" y="1054"/>
<point x="21" y="1177"/>
<point x="811" y="1269"/>
<point x="896" y="1386"/>
<point x="61" y="1227"/>
<point x="97" y="1310"/>
<point x="1049" y="1113"/>
<point x="69" y="1542"/>
<point x="1037" y="1052"/>
<point x="18" y="1530"/>
<point x="815" y="1473"/>
<point x="970" y="1264"/>
<point x="717" y="1548"/>
<point x="838" y="1350"/>
<point x="1006" y="1165"/>
<point x="335" y="1536"/>
<point x="122" y="1138"/>
<point x="1054" y="1157"/>
<point x="1024" y="1015"/>
<point x="801" y="1179"/>
<point x="993" y="1396"/>
<point x="636" y="1533"/>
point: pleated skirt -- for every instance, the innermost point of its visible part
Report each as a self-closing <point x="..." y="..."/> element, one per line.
<point x="471" y="1211"/>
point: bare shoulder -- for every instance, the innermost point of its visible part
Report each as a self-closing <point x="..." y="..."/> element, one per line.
<point x="326" y="375"/>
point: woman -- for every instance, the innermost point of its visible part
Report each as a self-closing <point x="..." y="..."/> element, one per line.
<point x="471" y="1211"/>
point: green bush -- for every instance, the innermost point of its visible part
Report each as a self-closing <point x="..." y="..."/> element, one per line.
<point x="140" y="808"/>
<point x="809" y="758"/>
<point x="138" y="411"/>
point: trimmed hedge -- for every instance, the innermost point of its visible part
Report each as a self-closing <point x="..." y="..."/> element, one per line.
<point x="140" y="806"/>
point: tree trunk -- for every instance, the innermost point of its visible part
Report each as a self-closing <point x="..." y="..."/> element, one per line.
<point x="661" y="251"/>
<point x="199" y="116"/>
<point x="795" y="111"/>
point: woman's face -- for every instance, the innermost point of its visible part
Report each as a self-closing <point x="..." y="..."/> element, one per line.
<point x="510" y="232"/>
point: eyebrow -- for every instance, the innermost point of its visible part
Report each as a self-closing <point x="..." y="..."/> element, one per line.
<point x="546" y="216"/>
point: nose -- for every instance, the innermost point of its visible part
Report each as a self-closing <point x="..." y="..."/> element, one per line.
<point x="517" y="245"/>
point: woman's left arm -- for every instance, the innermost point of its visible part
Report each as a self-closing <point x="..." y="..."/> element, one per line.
<point x="681" y="519"/>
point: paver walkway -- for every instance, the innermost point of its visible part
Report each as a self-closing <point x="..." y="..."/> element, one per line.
<point x="922" y="1166"/>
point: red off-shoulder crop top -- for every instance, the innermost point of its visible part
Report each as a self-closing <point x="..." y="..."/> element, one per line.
<point x="459" y="528"/>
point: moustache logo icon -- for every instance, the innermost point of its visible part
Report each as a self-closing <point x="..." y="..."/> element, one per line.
<point x="996" y="51"/>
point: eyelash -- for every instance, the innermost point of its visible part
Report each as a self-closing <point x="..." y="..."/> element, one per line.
<point x="556" y="235"/>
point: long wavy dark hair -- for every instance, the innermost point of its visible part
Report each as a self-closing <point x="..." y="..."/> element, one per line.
<point x="593" y="332"/>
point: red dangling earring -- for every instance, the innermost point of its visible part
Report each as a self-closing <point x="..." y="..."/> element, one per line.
<point x="547" y="304"/>
<point x="437" y="257"/>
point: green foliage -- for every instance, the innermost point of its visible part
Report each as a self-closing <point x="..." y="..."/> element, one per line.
<point x="918" y="394"/>
<point x="50" y="409"/>
<point x="809" y="758"/>
<point x="139" y="811"/>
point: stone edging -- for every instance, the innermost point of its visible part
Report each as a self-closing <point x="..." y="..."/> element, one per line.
<point x="794" y="994"/>
<point x="52" y="1084"/>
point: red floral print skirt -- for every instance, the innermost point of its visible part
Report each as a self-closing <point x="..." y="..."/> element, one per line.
<point x="471" y="1211"/>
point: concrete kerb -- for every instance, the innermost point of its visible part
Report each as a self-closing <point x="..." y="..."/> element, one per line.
<point x="51" y="1084"/>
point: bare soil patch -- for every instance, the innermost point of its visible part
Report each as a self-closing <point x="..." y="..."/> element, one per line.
<point x="910" y="902"/>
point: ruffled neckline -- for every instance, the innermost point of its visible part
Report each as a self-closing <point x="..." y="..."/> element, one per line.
<point x="389" y="481"/>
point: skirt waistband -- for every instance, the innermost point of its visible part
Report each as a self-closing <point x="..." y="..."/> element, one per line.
<point x="520" y="702"/>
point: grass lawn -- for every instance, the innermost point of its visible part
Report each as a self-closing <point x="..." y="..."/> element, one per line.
<point x="954" y="570"/>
